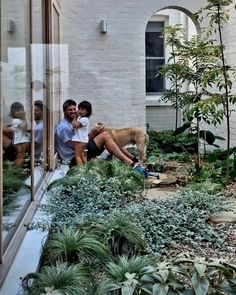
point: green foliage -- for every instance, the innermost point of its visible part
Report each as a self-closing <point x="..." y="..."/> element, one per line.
<point x="168" y="142"/>
<point x="13" y="180"/>
<point x="219" y="163"/>
<point x="13" y="177"/>
<point x="114" y="171"/>
<point x="218" y="15"/>
<point x="185" y="275"/>
<point x="125" y="276"/>
<point x="117" y="270"/>
<point x="205" y="173"/>
<point x="206" y="277"/>
<point x="182" y="218"/>
<point x="120" y="232"/>
<point x="99" y="211"/>
<point x="75" y="246"/>
<point x="179" y="220"/>
<point x="80" y="196"/>
<point x="174" y="71"/>
<point x="60" y="279"/>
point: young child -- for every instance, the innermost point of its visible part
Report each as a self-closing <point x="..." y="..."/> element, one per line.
<point x="19" y="128"/>
<point x="81" y="125"/>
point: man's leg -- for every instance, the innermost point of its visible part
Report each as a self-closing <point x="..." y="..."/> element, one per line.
<point x="129" y="155"/>
<point x="104" y="139"/>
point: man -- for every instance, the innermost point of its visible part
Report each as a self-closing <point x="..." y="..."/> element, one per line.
<point x="99" y="140"/>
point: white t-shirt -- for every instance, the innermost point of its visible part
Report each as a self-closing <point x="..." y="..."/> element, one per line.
<point x="81" y="133"/>
<point x="19" y="134"/>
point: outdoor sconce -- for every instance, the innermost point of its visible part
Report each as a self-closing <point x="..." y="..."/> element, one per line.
<point x="10" y="26"/>
<point x="103" y="26"/>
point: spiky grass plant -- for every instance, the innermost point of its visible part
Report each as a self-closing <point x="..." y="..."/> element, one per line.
<point x="120" y="232"/>
<point x="124" y="236"/>
<point x="61" y="279"/>
<point x="73" y="246"/>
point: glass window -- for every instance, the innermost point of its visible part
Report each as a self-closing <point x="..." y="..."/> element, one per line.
<point x="38" y="90"/>
<point x="154" y="57"/>
<point x="16" y="119"/>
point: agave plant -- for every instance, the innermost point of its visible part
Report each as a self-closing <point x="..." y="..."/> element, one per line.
<point x="73" y="246"/>
<point x="62" y="279"/>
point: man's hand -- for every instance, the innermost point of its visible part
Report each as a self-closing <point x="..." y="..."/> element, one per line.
<point x="100" y="127"/>
<point x="21" y="115"/>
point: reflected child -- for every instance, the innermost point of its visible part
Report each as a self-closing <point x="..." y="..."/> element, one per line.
<point x="19" y="127"/>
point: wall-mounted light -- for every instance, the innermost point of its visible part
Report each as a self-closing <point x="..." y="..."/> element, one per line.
<point x="103" y="26"/>
<point x="10" y="26"/>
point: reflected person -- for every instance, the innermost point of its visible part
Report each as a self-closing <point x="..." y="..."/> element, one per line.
<point x="19" y="130"/>
<point x="38" y="130"/>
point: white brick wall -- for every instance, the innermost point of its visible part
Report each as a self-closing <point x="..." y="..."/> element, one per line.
<point x="161" y="118"/>
<point x="109" y="69"/>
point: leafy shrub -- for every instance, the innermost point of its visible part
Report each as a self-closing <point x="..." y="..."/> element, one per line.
<point x="181" y="219"/>
<point x="185" y="275"/>
<point x="169" y="143"/>
<point x="88" y="193"/>
<point x="84" y="198"/>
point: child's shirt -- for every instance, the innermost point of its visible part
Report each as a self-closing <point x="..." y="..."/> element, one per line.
<point x="81" y="133"/>
<point x="19" y="134"/>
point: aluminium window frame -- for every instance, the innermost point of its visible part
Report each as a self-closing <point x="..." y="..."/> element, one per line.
<point x="9" y="248"/>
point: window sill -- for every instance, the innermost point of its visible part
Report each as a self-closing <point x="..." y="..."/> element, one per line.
<point x="155" y="100"/>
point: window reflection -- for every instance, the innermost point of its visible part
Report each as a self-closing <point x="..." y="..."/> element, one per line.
<point x="38" y="131"/>
<point x="16" y="111"/>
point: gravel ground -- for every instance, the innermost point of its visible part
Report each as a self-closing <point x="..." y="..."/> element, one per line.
<point x="227" y="252"/>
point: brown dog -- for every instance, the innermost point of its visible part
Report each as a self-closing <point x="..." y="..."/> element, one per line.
<point x="126" y="136"/>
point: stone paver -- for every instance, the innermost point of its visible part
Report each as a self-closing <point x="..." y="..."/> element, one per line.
<point x="160" y="193"/>
<point x="164" y="178"/>
<point x="223" y="216"/>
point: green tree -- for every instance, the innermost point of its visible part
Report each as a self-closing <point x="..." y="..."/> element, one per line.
<point x="198" y="56"/>
<point x="194" y="64"/>
<point x="217" y="12"/>
<point x="173" y="71"/>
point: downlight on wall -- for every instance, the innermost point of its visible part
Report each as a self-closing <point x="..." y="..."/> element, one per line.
<point x="103" y="26"/>
<point x="10" y="26"/>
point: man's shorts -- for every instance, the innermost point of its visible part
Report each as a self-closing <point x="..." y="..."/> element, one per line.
<point x="93" y="150"/>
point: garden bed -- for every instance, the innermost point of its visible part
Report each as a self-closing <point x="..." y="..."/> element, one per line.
<point x="102" y="202"/>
